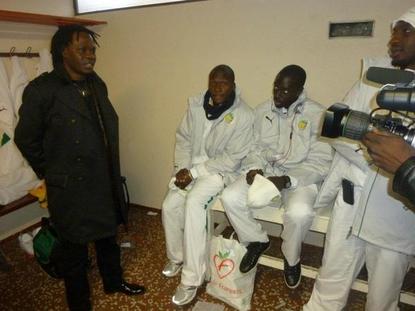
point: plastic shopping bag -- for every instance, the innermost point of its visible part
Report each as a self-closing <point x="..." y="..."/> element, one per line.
<point x="227" y="282"/>
<point x="46" y="247"/>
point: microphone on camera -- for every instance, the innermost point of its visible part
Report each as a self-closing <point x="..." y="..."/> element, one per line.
<point x="396" y="95"/>
<point x="389" y="76"/>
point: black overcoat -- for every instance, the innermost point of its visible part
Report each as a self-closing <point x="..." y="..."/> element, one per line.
<point x="63" y="143"/>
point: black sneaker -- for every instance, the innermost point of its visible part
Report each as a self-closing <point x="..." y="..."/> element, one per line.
<point x="250" y="259"/>
<point x="292" y="274"/>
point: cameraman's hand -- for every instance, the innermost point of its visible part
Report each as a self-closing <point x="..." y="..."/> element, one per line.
<point x="387" y="150"/>
<point x="251" y="175"/>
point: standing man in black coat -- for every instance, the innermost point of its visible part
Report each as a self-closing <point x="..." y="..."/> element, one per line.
<point x="68" y="132"/>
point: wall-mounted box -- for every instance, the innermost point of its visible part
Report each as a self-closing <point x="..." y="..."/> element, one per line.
<point x="351" y="29"/>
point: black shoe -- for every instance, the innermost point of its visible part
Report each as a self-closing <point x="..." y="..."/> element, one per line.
<point x="292" y="274"/>
<point x="126" y="288"/>
<point x="254" y="251"/>
<point x="89" y="264"/>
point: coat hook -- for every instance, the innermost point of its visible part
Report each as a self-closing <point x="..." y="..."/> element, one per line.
<point x="28" y="51"/>
<point x="12" y="49"/>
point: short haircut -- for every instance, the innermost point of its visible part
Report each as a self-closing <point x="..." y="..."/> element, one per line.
<point x="225" y="70"/>
<point x="63" y="37"/>
<point x="295" y="72"/>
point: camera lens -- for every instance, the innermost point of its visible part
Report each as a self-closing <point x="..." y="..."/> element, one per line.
<point x="355" y="125"/>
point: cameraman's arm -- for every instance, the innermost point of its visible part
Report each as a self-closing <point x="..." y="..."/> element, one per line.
<point x="388" y="151"/>
<point x="404" y="180"/>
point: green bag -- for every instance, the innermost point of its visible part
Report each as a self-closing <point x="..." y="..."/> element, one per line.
<point x="45" y="246"/>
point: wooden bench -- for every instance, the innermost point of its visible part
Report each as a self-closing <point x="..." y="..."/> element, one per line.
<point x="10" y="208"/>
<point x="271" y="220"/>
<point x="17" y="204"/>
<point x="23" y="213"/>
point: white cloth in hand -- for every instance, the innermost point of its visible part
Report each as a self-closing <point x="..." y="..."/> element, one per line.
<point x="262" y="193"/>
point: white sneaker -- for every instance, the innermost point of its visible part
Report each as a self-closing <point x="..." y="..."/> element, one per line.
<point x="184" y="294"/>
<point x="26" y="243"/>
<point x="172" y="269"/>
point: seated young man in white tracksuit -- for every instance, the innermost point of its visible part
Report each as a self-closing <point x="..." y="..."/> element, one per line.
<point x="212" y="139"/>
<point x="287" y="151"/>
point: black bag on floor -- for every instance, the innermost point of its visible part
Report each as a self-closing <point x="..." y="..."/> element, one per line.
<point x="45" y="246"/>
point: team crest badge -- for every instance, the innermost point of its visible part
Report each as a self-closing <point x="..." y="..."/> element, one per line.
<point x="302" y="124"/>
<point x="228" y="117"/>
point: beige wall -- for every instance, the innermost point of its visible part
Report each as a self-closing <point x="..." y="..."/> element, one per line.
<point x="154" y="58"/>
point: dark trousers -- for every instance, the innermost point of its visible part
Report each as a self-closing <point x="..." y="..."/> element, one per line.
<point x="73" y="263"/>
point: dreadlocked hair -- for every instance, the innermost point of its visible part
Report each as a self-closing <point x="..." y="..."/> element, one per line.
<point x="63" y="37"/>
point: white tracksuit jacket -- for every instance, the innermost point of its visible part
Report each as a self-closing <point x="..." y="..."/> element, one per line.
<point x="45" y="62"/>
<point x="226" y="144"/>
<point x="303" y="156"/>
<point x="18" y="81"/>
<point x="377" y="229"/>
<point x="16" y="176"/>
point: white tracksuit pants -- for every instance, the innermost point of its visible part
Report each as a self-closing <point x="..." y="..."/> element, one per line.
<point x="298" y="217"/>
<point x="185" y="225"/>
<point x="343" y="259"/>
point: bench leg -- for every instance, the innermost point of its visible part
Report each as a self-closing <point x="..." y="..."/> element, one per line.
<point x="4" y="264"/>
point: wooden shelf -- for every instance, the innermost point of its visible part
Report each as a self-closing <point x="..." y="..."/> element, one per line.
<point x="43" y="19"/>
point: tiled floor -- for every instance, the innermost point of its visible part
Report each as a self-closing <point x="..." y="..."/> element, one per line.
<point x="26" y="287"/>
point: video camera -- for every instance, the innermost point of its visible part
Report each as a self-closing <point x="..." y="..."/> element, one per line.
<point x="397" y="94"/>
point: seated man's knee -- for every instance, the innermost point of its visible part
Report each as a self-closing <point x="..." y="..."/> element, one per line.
<point x="299" y="212"/>
<point x="194" y="202"/>
<point x="228" y="196"/>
